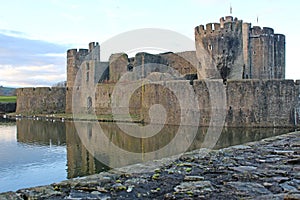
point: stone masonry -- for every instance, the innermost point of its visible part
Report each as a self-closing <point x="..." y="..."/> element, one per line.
<point x="232" y="49"/>
<point x="247" y="62"/>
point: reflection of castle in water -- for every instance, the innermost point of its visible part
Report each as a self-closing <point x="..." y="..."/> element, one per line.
<point x="79" y="161"/>
<point x="41" y="132"/>
<point x="88" y="153"/>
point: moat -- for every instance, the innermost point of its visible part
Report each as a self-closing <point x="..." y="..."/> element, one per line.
<point x="35" y="152"/>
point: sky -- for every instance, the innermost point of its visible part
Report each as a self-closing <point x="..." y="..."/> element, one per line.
<point x="35" y="34"/>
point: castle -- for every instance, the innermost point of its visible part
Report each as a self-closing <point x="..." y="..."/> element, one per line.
<point x="248" y="61"/>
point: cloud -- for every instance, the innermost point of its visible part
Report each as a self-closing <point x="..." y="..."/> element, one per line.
<point x="27" y="62"/>
<point x="13" y="33"/>
<point x="31" y="76"/>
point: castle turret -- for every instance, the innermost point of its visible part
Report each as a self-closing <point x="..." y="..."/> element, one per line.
<point x="267" y="53"/>
<point x="220" y="49"/>
<point x="279" y="55"/>
<point x="232" y="49"/>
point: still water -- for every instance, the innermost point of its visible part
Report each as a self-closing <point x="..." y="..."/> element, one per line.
<point x="36" y="153"/>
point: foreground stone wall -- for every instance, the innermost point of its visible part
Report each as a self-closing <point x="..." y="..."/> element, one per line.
<point x="267" y="169"/>
<point x="43" y="100"/>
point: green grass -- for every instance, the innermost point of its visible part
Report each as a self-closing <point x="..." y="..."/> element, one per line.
<point x="8" y="99"/>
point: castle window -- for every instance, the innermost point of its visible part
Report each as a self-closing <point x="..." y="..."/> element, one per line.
<point x="87" y="77"/>
<point x="87" y="66"/>
<point x="210" y="47"/>
<point x="130" y="67"/>
<point x="89" y="104"/>
<point x="254" y="53"/>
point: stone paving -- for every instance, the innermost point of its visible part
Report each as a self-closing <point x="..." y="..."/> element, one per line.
<point x="268" y="169"/>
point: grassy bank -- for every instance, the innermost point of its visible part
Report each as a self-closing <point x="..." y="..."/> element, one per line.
<point x="84" y="117"/>
<point x="8" y="99"/>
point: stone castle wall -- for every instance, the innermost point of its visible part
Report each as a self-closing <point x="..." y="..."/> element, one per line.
<point x="42" y="100"/>
<point x="261" y="103"/>
<point x="253" y="103"/>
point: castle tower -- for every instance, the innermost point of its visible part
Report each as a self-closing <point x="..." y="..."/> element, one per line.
<point x="279" y="54"/>
<point x="75" y="58"/>
<point x="262" y="48"/>
<point x="219" y="47"/>
<point x="232" y="49"/>
<point x="267" y="53"/>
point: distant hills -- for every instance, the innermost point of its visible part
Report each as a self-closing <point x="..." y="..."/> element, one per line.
<point x="6" y="91"/>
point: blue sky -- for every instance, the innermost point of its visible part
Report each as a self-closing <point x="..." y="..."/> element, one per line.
<point x="35" y="34"/>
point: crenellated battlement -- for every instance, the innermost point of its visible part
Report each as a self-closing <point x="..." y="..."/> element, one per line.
<point x="257" y="30"/>
<point x="93" y="45"/>
<point x="267" y="30"/>
<point x="229" y="24"/>
<point x="38" y="90"/>
<point x="76" y="52"/>
<point x="78" y="55"/>
<point x="71" y="52"/>
<point x="226" y="25"/>
<point x="227" y="19"/>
